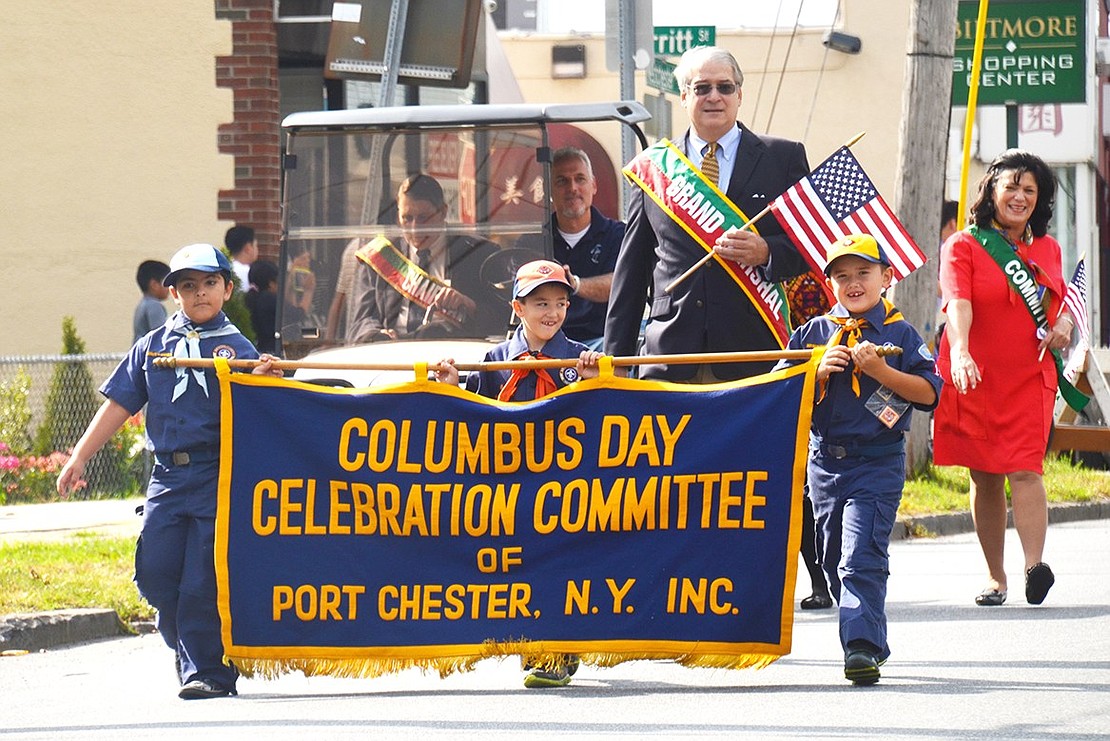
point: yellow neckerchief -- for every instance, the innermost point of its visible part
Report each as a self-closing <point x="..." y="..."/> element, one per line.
<point x="850" y="333"/>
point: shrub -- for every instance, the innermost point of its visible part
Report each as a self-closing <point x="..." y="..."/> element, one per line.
<point x="15" y="414"/>
<point x="71" y="403"/>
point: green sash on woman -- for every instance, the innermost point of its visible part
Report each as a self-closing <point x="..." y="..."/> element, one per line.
<point x="1022" y="279"/>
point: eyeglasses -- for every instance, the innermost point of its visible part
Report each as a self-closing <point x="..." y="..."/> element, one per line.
<point x="417" y="218"/>
<point x="702" y="89"/>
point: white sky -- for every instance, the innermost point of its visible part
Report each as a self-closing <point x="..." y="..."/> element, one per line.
<point x="563" y="16"/>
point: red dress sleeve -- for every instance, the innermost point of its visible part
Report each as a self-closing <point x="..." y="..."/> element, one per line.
<point x="955" y="268"/>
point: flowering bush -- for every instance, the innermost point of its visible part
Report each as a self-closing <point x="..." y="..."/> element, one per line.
<point x="28" y="478"/>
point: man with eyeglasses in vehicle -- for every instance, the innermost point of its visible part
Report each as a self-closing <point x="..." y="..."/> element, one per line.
<point x="708" y="311"/>
<point x="429" y="284"/>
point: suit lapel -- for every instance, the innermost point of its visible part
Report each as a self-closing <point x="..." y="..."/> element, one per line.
<point x="747" y="158"/>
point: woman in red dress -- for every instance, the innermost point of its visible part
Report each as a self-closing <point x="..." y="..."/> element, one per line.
<point x="1000" y="384"/>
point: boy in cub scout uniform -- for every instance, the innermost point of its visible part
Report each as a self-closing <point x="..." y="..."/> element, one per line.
<point x="174" y="567"/>
<point x="541" y="295"/>
<point x="856" y="449"/>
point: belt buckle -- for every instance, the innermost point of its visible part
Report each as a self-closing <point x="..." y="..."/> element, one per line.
<point x="180" y="458"/>
<point x="838" y="451"/>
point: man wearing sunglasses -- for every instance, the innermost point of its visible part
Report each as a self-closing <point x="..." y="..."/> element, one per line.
<point x="381" y="311"/>
<point x="708" y="312"/>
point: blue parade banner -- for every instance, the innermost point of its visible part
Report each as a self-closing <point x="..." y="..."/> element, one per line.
<point x="363" y="531"/>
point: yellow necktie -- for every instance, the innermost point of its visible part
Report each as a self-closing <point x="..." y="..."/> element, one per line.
<point x="709" y="166"/>
<point x="849" y="333"/>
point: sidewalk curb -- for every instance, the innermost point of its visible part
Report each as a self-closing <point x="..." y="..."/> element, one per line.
<point x="38" y="631"/>
<point x="956" y="523"/>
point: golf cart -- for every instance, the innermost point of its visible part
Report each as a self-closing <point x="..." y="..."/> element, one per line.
<point x="343" y="170"/>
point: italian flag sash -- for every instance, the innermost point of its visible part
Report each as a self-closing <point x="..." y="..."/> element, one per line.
<point x="410" y="281"/>
<point x="704" y="212"/>
<point x="1022" y="279"/>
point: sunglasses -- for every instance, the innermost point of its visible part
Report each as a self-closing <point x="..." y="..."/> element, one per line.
<point x="702" y="89"/>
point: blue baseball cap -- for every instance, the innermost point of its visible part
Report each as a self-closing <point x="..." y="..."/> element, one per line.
<point x="202" y="257"/>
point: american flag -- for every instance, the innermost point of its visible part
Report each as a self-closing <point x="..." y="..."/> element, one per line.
<point x="838" y="198"/>
<point x="1076" y="300"/>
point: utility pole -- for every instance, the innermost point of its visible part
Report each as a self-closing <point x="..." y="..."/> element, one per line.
<point x="922" y="150"/>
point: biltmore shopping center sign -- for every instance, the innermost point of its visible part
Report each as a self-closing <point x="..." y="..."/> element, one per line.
<point x="1033" y="52"/>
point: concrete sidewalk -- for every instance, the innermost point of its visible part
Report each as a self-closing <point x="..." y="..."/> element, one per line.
<point x="56" y="520"/>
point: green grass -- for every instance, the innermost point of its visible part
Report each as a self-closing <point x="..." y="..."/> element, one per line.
<point x="96" y="571"/>
<point x="82" y="571"/>
<point x="944" y="489"/>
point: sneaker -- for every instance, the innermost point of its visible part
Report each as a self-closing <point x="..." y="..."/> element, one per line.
<point x="541" y="678"/>
<point x="861" y="667"/>
<point x="204" y="689"/>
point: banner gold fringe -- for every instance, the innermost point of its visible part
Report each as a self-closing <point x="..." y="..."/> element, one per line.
<point x="369" y="668"/>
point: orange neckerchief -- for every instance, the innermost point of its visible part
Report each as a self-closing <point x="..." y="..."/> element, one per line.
<point x="545" y="385"/>
<point x="850" y="333"/>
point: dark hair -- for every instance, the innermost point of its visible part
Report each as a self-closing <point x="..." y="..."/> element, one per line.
<point x="262" y="273"/>
<point x="948" y="211"/>
<point x="237" y="238"/>
<point x="150" y="270"/>
<point x="421" y="187"/>
<point x="1020" y="162"/>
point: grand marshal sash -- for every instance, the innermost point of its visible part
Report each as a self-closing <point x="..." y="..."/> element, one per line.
<point x="705" y="213"/>
<point x="410" y="281"/>
<point x="1022" y="279"/>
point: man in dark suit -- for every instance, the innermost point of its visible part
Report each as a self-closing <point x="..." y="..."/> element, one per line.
<point x="708" y="312"/>
<point x="381" y="312"/>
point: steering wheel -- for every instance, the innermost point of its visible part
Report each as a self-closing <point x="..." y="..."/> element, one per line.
<point x="498" y="271"/>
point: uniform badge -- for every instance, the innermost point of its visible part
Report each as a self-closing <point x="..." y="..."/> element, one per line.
<point x="569" y="375"/>
<point x="227" y="352"/>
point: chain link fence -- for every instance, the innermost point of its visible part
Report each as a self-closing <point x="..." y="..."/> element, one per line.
<point x="46" y="402"/>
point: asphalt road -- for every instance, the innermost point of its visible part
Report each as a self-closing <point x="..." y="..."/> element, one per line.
<point x="958" y="671"/>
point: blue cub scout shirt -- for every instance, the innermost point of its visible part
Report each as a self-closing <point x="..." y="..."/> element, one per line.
<point x="193" y="421"/>
<point x="841" y="416"/>
<point x="489" y="383"/>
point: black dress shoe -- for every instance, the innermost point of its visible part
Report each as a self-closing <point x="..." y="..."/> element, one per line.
<point x="817" y="602"/>
<point x="204" y="689"/>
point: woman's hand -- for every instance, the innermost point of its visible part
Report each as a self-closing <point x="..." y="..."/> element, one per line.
<point x="965" y="372"/>
<point x="1059" y="336"/>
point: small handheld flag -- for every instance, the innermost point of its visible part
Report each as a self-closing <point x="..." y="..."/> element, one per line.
<point x="836" y="199"/>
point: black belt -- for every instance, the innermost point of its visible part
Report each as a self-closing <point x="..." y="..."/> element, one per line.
<point x="186" y="457"/>
<point x="853" y="450"/>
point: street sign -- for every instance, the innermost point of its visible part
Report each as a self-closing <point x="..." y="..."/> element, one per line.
<point x="1033" y="52"/>
<point x="660" y="75"/>
<point x="672" y="41"/>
